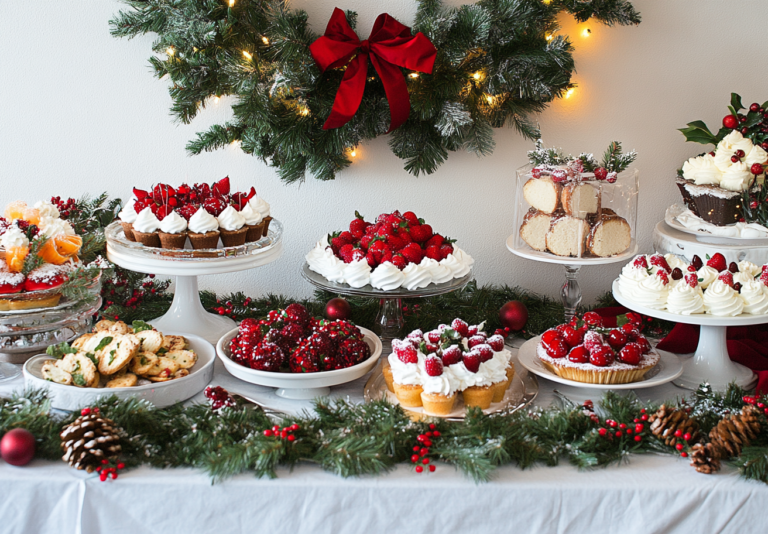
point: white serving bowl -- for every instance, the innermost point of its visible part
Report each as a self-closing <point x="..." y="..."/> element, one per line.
<point x="300" y="385"/>
<point x="161" y="394"/>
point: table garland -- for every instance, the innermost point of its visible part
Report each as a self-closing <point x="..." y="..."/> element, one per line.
<point x="496" y="63"/>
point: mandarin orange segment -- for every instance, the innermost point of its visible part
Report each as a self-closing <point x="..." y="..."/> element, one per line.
<point x="67" y="245"/>
<point x="49" y="253"/>
<point x="15" y="210"/>
<point x="14" y="257"/>
<point x="31" y="215"/>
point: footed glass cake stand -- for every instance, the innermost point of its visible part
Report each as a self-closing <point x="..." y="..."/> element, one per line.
<point x="711" y="362"/>
<point x="389" y="321"/>
<point x="570" y="293"/>
<point x="187" y="313"/>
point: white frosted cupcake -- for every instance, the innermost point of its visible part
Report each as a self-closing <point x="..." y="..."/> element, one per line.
<point x="145" y="228"/>
<point x="721" y="300"/>
<point x="232" y="228"/>
<point x="755" y="298"/>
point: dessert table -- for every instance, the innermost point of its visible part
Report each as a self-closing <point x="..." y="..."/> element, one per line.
<point x="652" y="494"/>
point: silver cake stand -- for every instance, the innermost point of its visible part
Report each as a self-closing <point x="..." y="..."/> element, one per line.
<point x="187" y="313"/>
<point x="389" y="321"/>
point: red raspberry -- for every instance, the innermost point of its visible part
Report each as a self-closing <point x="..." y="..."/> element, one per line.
<point x="471" y="361"/>
<point x="602" y="356"/>
<point x="433" y="366"/>
<point x="617" y="339"/>
<point x="496" y="342"/>
<point x="485" y="351"/>
<point x="477" y="339"/>
<point x="345" y="252"/>
<point x="601" y="173"/>
<point x="452" y="355"/>
<point x="726" y="277"/>
<point x="593" y="319"/>
<point x="593" y="340"/>
<point x="717" y="262"/>
<point x="461" y="327"/>
<point x="640" y="262"/>
<point x="404" y="351"/>
<point x="579" y="354"/>
<point x="659" y="261"/>
<point x="632" y="353"/>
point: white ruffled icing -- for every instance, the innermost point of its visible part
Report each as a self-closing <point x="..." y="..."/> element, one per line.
<point x="260" y="205"/>
<point x="411" y="374"/>
<point x="702" y="170"/>
<point x="357" y="273"/>
<point x="706" y="275"/>
<point x="442" y="384"/>
<point x="146" y="221"/>
<point x="749" y="268"/>
<point x="746" y="230"/>
<point x="386" y="277"/>
<point x="737" y="178"/>
<point x="251" y="215"/>
<point x="201" y="222"/>
<point x="440" y="273"/>
<point x="47" y="209"/>
<point x="755" y="298"/>
<point x="742" y="278"/>
<point x="415" y="277"/>
<point x="230" y="219"/>
<point x="630" y="278"/>
<point x="685" y="300"/>
<point x="676" y="262"/>
<point x="14" y="238"/>
<point x="128" y="213"/>
<point x="51" y="227"/>
<point x="721" y="300"/>
<point x="173" y="223"/>
<point x="651" y="292"/>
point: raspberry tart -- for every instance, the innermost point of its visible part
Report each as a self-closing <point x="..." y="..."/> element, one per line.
<point x="434" y="370"/>
<point x="397" y="251"/>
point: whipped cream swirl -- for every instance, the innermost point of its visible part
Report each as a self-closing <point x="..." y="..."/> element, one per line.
<point x="230" y="219"/>
<point x="738" y="177"/>
<point x="357" y="273"/>
<point x="706" y="275"/>
<point x="685" y="300"/>
<point x="260" y="205"/>
<point x="630" y="278"/>
<point x="755" y="297"/>
<point x="14" y="238"/>
<point x="201" y="222"/>
<point x="721" y="300"/>
<point x="387" y="277"/>
<point x="128" y="213"/>
<point x="702" y="170"/>
<point x="749" y="268"/>
<point x="407" y="373"/>
<point x="173" y="223"/>
<point x="415" y="277"/>
<point x="47" y="209"/>
<point x="146" y="222"/>
<point x="252" y="216"/>
<point x="651" y="292"/>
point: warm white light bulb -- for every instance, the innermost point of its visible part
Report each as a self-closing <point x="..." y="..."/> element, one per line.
<point x="170" y="51"/>
<point x="568" y="93"/>
<point x="353" y="153"/>
<point x="265" y="40"/>
<point x="477" y="75"/>
<point x="247" y="54"/>
<point x="414" y="75"/>
<point x="586" y="32"/>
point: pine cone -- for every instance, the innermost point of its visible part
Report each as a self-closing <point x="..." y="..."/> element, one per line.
<point x="88" y="440"/>
<point x="734" y="432"/>
<point x="667" y="420"/>
<point x="705" y="459"/>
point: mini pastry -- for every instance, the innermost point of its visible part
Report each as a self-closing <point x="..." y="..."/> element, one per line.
<point x="254" y="222"/>
<point x="145" y="228"/>
<point x="47" y="276"/>
<point x="259" y="204"/>
<point x="173" y="231"/>
<point x="127" y="217"/>
<point x="203" y="230"/>
<point x="232" y="227"/>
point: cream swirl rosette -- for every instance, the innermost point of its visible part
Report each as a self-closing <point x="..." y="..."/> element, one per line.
<point x="738" y="177"/>
<point x="721" y="300"/>
<point x="706" y="275"/>
<point x="630" y="278"/>
<point x="201" y="222"/>
<point x="416" y="277"/>
<point x="357" y="273"/>
<point x="685" y="300"/>
<point x="387" y="277"/>
<point x="651" y="292"/>
<point x="702" y="170"/>
<point x="146" y="222"/>
<point x="173" y="223"/>
<point x="755" y="298"/>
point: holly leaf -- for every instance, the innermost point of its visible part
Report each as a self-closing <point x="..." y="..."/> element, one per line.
<point x="60" y="350"/>
<point x="765" y="105"/>
<point x="697" y="132"/>
<point x="140" y="326"/>
<point x="621" y="320"/>
<point x="753" y="118"/>
<point x="721" y="133"/>
<point x="736" y="102"/>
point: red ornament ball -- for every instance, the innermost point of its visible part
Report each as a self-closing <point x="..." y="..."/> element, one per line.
<point x="730" y="121"/>
<point x="337" y="308"/>
<point x="17" y="446"/>
<point x="514" y="315"/>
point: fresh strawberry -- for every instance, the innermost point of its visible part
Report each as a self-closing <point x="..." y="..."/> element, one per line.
<point x="202" y="191"/>
<point x="496" y="342"/>
<point x="187" y="211"/>
<point x="221" y="188"/>
<point x="473" y="330"/>
<point x="593" y="340"/>
<point x="162" y="192"/>
<point x="644" y="345"/>
<point x="435" y="241"/>
<point x="602" y="356"/>
<point x="617" y="338"/>
<point x="394" y="219"/>
<point x="417" y="335"/>
<point x="46" y="276"/>
<point x="345" y="252"/>
<point x="557" y="349"/>
<point x="411" y="218"/>
<point x="434" y="253"/>
<point x="717" y="262"/>
<point x="404" y="351"/>
<point x="365" y="241"/>
<point x="382" y="218"/>
<point x="357" y="226"/>
<point x="461" y="327"/>
<point x="413" y="253"/>
<point x="385" y="230"/>
<point x="141" y="205"/>
<point x="630" y="330"/>
<point x="551" y="335"/>
<point x="726" y="277"/>
<point x="399" y="261"/>
<point x="163" y="211"/>
<point x="635" y="318"/>
<point x="571" y="335"/>
<point x="387" y="255"/>
<point x="214" y="206"/>
<point x="471" y="361"/>
<point x="659" y="261"/>
<point x="370" y="257"/>
<point x="432" y="348"/>
<point x="433" y="366"/>
<point x="697" y="263"/>
<point x="691" y="269"/>
<point x="445" y="250"/>
<point x="484" y="350"/>
<point x="357" y="254"/>
<point x="477" y="339"/>
<point x="662" y="274"/>
<point x="421" y="232"/>
<point x="733" y="267"/>
<point x="559" y="175"/>
<point x="452" y="355"/>
<point x="764" y="278"/>
<point x="434" y="336"/>
<point x="632" y="353"/>
<point x="593" y="319"/>
<point x="640" y="262"/>
<point x="395" y="241"/>
<point x="140" y="194"/>
<point x="579" y="354"/>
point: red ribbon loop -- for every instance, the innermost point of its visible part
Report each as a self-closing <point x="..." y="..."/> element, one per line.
<point x="389" y="47"/>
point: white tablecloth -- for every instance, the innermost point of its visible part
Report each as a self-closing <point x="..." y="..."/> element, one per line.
<point x="653" y="494"/>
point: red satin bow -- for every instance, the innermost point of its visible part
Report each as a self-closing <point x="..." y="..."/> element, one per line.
<point x="389" y="46"/>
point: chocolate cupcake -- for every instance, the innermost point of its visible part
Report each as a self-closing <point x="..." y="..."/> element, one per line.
<point x="145" y="228"/>
<point x="254" y="222"/>
<point x="203" y="230"/>
<point x="173" y="231"/>
<point x="232" y="227"/>
<point x="127" y="216"/>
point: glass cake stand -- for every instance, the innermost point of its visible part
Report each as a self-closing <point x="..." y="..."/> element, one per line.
<point x="570" y="293"/>
<point x="711" y="362"/>
<point x="187" y="313"/>
<point x="389" y="321"/>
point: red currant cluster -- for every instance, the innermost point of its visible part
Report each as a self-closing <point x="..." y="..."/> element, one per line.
<point x="109" y="469"/>
<point x="421" y="451"/>
<point x="755" y="400"/>
<point x="613" y="429"/>
<point x="757" y="118"/>
<point x="589" y="410"/>
<point x="219" y="397"/>
<point x="228" y="308"/>
<point x="66" y="208"/>
<point x="282" y="433"/>
<point x="121" y="291"/>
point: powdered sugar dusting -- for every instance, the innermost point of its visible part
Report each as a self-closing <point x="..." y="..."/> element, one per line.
<point x="46" y="274"/>
<point x="11" y="279"/>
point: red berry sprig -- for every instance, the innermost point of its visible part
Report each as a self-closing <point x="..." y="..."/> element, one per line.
<point x="757" y="401"/>
<point x="614" y="429"/>
<point x="109" y="469"/>
<point x="420" y="452"/>
<point x="285" y="433"/>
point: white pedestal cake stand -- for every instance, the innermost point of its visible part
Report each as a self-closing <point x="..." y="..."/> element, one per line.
<point x="389" y="321"/>
<point x="187" y="313"/>
<point x="711" y="362"/>
<point x="571" y="291"/>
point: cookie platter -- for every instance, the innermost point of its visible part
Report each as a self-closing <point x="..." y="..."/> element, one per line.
<point x="300" y="385"/>
<point x="161" y="394"/>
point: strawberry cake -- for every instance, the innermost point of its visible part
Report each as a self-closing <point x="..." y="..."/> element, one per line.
<point x="432" y="370"/>
<point x="206" y="215"/>
<point x="584" y="351"/>
<point x="713" y="287"/>
<point x="396" y="251"/>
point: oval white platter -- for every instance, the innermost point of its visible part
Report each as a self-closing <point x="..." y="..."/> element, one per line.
<point x="527" y="252"/>
<point x="300" y="385"/>
<point x="161" y="394"/>
<point x="668" y="368"/>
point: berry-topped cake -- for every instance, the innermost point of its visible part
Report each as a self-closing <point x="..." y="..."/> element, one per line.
<point x="398" y="250"/>
<point x="710" y="286"/>
<point x="292" y="341"/>
<point x="205" y="214"/>
<point x="573" y="203"/>
<point x="584" y="351"/>
<point x="725" y="186"/>
<point x="432" y="369"/>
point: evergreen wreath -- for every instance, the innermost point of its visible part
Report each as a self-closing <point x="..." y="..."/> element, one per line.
<point x="498" y="62"/>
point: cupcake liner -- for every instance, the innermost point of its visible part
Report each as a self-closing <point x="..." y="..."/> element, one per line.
<point x="255" y="231"/>
<point x="480" y="396"/>
<point x="499" y="389"/>
<point x="148" y="239"/>
<point x="128" y="230"/>
<point x="386" y="370"/>
<point x="717" y="210"/>
<point x="408" y="395"/>
<point x="172" y="240"/>
<point x="266" y="222"/>
<point x="438" y="404"/>
<point x="233" y="238"/>
<point x="206" y="240"/>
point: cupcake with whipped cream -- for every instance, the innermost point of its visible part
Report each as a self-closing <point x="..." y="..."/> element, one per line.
<point x="254" y="222"/>
<point x="262" y="206"/>
<point x="145" y="228"/>
<point x="173" y="231"/>
<point x="127" y="216"/>
<point x="203" y="230"/>
<point x="232" y="228"/>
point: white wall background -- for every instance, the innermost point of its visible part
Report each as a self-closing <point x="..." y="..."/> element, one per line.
<point x="81" y="113"/>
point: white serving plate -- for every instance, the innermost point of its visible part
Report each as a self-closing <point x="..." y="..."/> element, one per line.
<point x="161" y="394"/>
<point x="670" y="217"/>
<point x="300" y="385"/>
<point x="668" y="368"/>
<point x="527" y="252"/>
